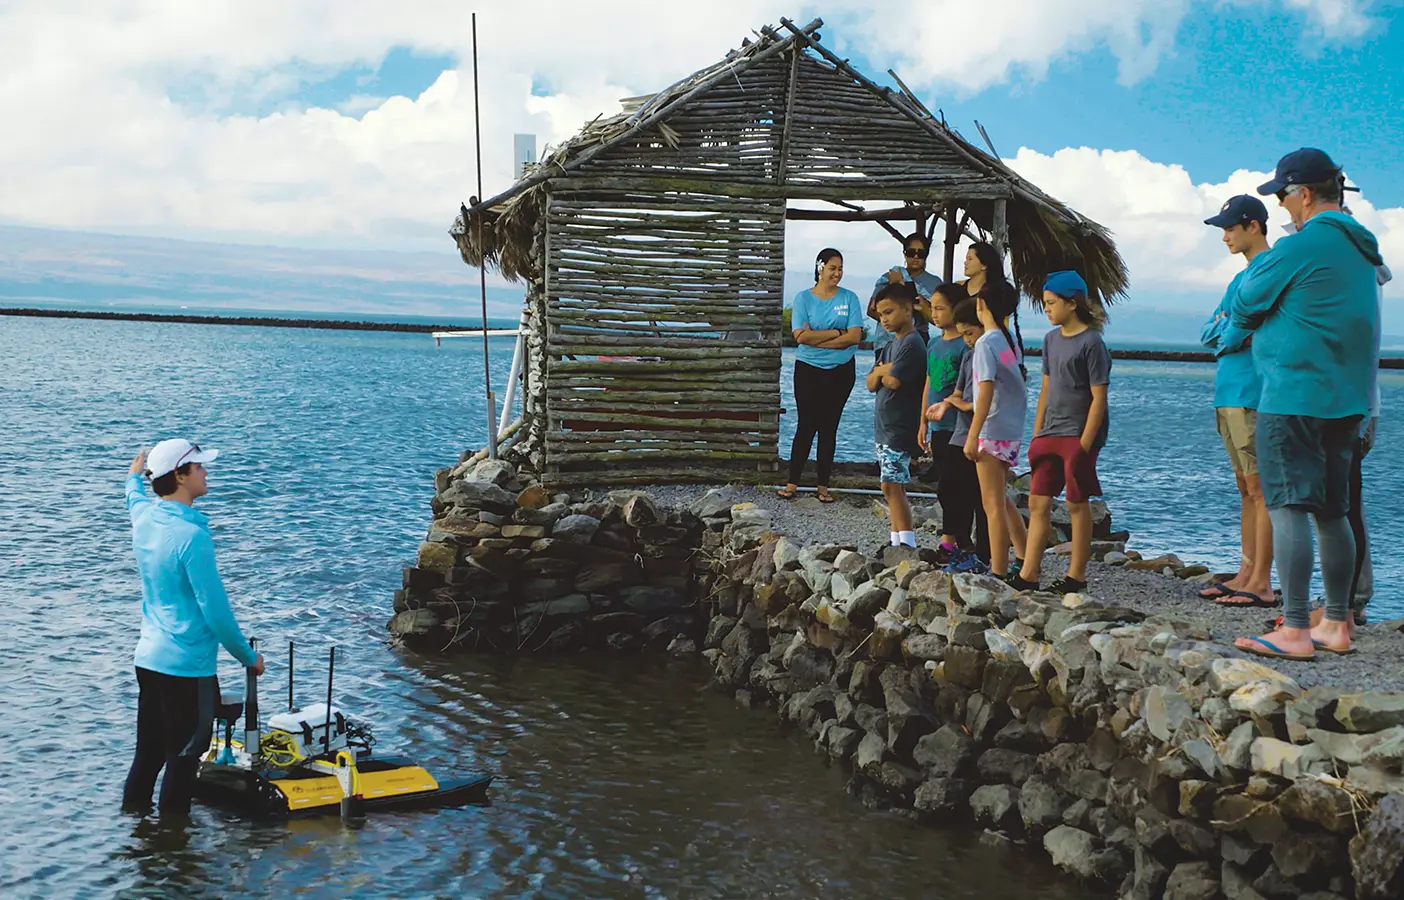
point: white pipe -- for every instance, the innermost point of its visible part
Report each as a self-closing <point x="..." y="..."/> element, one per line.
<point x="512" y="376"/>
<point x="869" y="492"/>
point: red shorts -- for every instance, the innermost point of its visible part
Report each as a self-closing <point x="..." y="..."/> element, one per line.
<point x="1055" y="461"/>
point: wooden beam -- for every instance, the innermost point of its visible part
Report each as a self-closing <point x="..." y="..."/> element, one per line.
<point x="789" y="114"/>
<point x="999" y="231"/>
<point x="952" y="238"/>
<point x="898" y="213"/>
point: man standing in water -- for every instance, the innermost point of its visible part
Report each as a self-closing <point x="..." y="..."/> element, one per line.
<point x="1310" y="303"/>
<point x="185" y="616"/>
<point x="1236" y="391"/>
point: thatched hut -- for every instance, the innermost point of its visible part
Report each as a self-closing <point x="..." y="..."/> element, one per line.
<point x="652" y="248"/>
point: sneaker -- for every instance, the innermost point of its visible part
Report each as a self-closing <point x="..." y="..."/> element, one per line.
<point x="1017" y="582"/>
<point x="963" y="562"/>
<point x="944" y="554"/>
<point x="1066" y="585"/>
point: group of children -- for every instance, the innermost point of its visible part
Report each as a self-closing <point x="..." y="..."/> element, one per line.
<point x="961" y="394"/>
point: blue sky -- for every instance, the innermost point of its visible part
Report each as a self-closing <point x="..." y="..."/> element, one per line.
<point x="262" y="124"/>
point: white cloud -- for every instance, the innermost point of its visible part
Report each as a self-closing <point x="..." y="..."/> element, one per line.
<point x="95" y="140"/>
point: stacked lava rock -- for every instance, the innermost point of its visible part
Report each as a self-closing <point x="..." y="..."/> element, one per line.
<point x="508" y="567"/>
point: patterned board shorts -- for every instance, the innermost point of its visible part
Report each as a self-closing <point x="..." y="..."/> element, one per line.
<point x="1006" y="452"/>
<point x="894" y="466"/>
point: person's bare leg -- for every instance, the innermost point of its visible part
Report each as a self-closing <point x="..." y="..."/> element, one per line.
<point x="1247" y="528"/>
<point x="1036" y="537"/>
<point x="1018" y="534"/>
<point x="992" y="495"/>
<point x="899" y="508"/>
<point x="1259" y="580"/>
<point x="1081" y="516"/>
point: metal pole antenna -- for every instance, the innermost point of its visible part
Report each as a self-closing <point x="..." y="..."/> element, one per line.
<point x="482" y="268"/>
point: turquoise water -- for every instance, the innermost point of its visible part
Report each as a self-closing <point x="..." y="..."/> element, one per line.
<point x="616" y="778"/>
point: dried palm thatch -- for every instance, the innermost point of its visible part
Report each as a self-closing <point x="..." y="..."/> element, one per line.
<point x="1042" y="233"/>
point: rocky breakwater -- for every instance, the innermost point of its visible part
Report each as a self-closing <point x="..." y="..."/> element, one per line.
<point x="509" y="567"/>
<point x="1132" y="749"/>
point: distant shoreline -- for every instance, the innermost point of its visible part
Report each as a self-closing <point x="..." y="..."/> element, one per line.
<point x="261" y="321"/>
<point x="414" y="328"/>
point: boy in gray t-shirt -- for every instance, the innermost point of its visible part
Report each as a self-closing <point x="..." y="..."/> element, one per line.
<point x="898" y="379"/>
<point x="1070" y="428"/>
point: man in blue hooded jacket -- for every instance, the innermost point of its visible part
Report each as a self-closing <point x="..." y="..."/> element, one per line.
<point x="1310" y="305"/>
<point x="185" y="617"/>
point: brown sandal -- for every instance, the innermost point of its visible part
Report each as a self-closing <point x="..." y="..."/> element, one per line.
<point x="787" y="493"/>
<point x="824" y="495"/>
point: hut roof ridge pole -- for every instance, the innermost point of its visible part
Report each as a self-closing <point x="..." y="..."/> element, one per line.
<point x="482" y="269"/>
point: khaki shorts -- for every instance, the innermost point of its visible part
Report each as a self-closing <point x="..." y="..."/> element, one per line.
<point x="1237" y="426"/>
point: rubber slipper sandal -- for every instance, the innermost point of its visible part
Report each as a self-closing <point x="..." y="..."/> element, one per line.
<point x="786" y="494"/>
<point x="826" y="498"/>
<point x="1214" y="592"/>
<point x="1329" y="649"/>
<point x="1254" y="601"/>
<point x="1272" y="651"/>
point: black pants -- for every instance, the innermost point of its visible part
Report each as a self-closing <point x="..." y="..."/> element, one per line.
<point x="961" y="505"/>
<point x="820" y="395"/>
<point x="1356" y="517"/>
<point x="174" y="716"/>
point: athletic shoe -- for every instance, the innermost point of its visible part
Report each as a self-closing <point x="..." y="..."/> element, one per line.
<point x="1066" y="585"/>
<point x="1017" y="582"/>
<point x="968" y="563"/>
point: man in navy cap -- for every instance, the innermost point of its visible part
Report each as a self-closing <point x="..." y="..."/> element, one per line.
<point x="1310" y="305"/>
<point x="1236" y="390"/>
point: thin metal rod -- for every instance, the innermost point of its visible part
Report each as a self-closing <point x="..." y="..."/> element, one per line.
<point x="864" y="492"/>
<point x="482" y="269"/>
<point x="291" y="707"/>
<point x="331" y="670"/>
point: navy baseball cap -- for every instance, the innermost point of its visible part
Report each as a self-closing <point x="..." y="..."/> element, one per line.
<point x="1240" y="210"/>
<point x="1305" y="166"/>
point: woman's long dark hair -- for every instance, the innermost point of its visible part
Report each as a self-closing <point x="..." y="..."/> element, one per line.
<point x="1002" y="300"/>
<point x="822" y="260"/>
<point x="999" y="292"/>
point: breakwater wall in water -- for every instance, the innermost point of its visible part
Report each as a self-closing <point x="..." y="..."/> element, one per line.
<point x="1131" y="748"/>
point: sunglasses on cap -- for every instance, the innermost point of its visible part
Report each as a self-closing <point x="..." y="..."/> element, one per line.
<point x="194" y="448"/>
<point x="916" y="252"/>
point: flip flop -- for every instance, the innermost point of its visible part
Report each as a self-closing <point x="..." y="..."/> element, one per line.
<point x="1255" y="602"/>
<point x="1320" y="645"/>
<point x="826" y="497"/>
<point x="1273" y="651"/>
<point x="1214" y="592"/>
<point x="786" y="494"/>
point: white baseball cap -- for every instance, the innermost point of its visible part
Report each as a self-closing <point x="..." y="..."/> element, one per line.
<point x="168" y="456"/>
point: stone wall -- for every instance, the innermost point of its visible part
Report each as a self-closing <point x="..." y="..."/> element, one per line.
<point x="508" y="567"/>
<point x="1132" y="750"/>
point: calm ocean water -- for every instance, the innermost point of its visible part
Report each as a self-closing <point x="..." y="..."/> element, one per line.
<point x="615" y="778"/>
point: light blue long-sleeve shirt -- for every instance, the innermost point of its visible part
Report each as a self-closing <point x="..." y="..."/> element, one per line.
<point x="1311" y="305"/>
<point x="185" y="613"/>
<point x="1236" y="381"/>
<point x="926" y="284"/>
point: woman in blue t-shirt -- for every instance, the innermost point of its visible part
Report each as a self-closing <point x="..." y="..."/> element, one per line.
<point x="828" y="325"/>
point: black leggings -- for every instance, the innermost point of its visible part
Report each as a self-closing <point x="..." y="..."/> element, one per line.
<point x="820" y="395"/>
<point x="174" y="715"/>
<point x="1356" y="516"/>
<point x="961" y="505"/>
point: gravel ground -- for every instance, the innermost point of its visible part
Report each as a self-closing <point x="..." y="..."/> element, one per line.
<point x="1378" y="663"/>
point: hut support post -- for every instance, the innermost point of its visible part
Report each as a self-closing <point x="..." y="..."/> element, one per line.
<point x="999" y="231"/>
<point x="952" y="238"/>
<point x="513" y="375"/>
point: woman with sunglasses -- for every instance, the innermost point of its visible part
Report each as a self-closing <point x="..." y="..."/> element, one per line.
<point x="916" y="250"/>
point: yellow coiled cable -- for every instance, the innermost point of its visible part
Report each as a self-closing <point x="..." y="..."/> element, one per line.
<point x="280" y="749"/>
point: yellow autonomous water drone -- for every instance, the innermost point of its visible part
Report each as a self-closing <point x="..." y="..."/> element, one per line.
<point x="314" y="761"/>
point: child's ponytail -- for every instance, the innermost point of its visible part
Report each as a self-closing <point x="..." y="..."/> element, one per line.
<point x="1002" y="300"/>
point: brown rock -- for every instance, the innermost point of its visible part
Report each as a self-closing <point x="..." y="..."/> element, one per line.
<point x="524" y="531"/>
<point x="437" y="557"/>
<point x="534" y="497"/>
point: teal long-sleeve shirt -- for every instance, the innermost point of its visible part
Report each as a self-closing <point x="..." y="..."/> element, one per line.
<point x="185" y="614"/>
<point x="1236" y="381"/>
<point x="1310" y="304"/>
